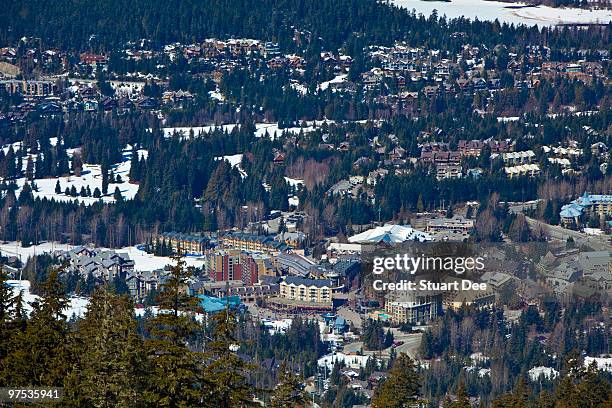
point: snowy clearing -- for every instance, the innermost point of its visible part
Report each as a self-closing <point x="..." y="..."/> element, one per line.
<point x="337" y="80"/>
<point x="142" y="260"/>
<point x="296" y="183"/>
<point x="77" y="305"/>
<point x="91" y="176"/>
<point x="506" y="13"/>
<point x="234" y="160"/>
<point x="261" y="129"/>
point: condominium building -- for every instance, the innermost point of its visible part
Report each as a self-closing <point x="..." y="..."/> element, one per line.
<point x="574" y="213"/>
<point x="514" y="158"/>
<point x="412" y="307"/>
<point x="253" y="243"/>
<point x="529" y="170"/>
<point x="224" y="265"/>
<point x="307" y="290"/>
<point x="457" y="224"/>
<point x="28" y="88"/>
<point x="447" y="170"/>
<point x="237" y="265"/>
<point x="183" y="243"/>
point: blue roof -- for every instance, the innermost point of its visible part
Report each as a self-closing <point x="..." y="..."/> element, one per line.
<point x="576" y="207"/>
<point x="212" y="304"/>
<point x="571" y="211"/>
<point x="340" y="322"/>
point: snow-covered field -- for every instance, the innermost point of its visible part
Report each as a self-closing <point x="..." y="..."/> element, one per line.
<point x="142" y="260"/>
<point x="91" y="176"/>
<point x="77" y="306"/>
<point x="352" y="361"/>
<point x="603" y="363"/>
<point x="548" y="372"/>
<point x="262" y="129"/>
<point x="234" y="160"/>
<point x="217" y="95"/>
<point x="337" y="80"/>
<point x="301" y="88"/>
<point x="296" y="183"/>
<point x="491" y="10"/>
<point x="277" y="326"/>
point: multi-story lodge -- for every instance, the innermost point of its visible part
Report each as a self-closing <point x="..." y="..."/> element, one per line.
<point x="474" y="147"/>
<point x="516" y="158"/>
<point x="411" y="307"/>
<point x="573" y="214"/>
<point x="253" y="243"/>
<point x="183" y="243"/>
<point x="448" y="171"/>
<point x="102" y="265"/>
<point x="28" y="88"/>
<point x="317" y="291"/>
<point x="457" y="226"/>
<point x="141" y="284"/>
<point x="234" y="264"/>
<point x="228" y="289"/>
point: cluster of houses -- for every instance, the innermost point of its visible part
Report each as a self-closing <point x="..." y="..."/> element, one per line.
<point x="102" y="265"/>
<point x="578" y="271"/>
<point x="441" y="72"/>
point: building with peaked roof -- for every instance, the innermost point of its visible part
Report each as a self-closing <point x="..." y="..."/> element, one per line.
<point x="253" y="242"/>
<point x="214" y="304"/>
<point x="390" y="234"/>
<point x="103" y="265"/>
<point x="141" y="284"/>
<point x="516" y="158"/>
<point x="183" y="243"/>
<point x="587" y="205"/>
<point x="314" y="291"/>
<point x="531" y="170"/>
<point x="295" y="264"/>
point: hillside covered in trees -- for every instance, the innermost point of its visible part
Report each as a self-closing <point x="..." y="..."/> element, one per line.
<point x="79" y="24"/>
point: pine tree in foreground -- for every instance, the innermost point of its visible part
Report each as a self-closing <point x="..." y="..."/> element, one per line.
<point x="462" y="400"/>
<point x="401" y="388"/>
<point x="111" y="369"/>
<point x="175" y="377"/>
<point x="226" y="369"/>
<point x="6" y="301"/>
<point x="40" y="355"/>
<point x="288" y="392"/>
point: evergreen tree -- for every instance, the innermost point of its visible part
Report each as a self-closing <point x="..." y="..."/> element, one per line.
<point x="461" y="400"/>
<point x="40" y="355"/>
<point x="401" y="388"/>
<point x="176" y="375"/>
<point x="112" y="367"/>
<point x="288" y="392"/>
<point x="117" y="195"/>
<point x="105" y="177"/>
<point x="227" y="370"/>
<point x="6" y="305"/>
<point x="29" y="173"/>
<point x="388" y="339"/>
